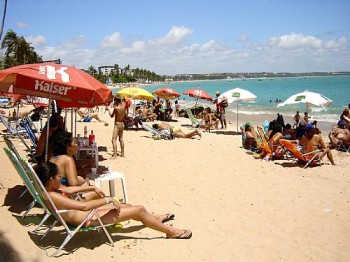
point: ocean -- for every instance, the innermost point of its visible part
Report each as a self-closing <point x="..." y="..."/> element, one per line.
<point x="268" y="90"/>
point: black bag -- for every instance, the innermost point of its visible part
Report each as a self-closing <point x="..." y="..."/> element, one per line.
<point x="35" y="117"/>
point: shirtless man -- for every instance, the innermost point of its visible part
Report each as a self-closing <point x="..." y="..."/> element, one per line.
<point x="177" y="132"/>
<point x="339" y="134"/>
<point x="313" y="141"/>
<point x="119" y="112"/>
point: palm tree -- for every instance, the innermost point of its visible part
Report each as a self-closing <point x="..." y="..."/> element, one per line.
<point x="11" y="42"/>
<point x="18" y="50"/>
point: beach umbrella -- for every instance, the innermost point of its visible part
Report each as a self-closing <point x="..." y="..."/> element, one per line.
<point x="198" y="94"/>
<point x="308" y="98"/>
<point x="166" y="93"/>
<point x="69" y="86"/>
<point x="237" y="95"/>
<point x="135" y="93"/>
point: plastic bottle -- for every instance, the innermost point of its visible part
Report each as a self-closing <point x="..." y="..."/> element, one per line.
<point x="85" y="132"/>
<point x="91" y="138"/>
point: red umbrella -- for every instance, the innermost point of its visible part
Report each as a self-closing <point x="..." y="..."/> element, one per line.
<point x="198" y="94"/>
<point x="70" y="86"/>
<point x="166" y="93"/>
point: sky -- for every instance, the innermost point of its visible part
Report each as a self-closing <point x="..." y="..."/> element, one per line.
<point x="188" y="36"/>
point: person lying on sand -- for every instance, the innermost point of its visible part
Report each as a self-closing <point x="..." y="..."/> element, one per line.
<point x="49" y="175"/>
<point x="87" y="117"/>
<point x="176" y="131"/>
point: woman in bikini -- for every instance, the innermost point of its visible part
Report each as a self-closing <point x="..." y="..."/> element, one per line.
<point x="63" y="147"/>
<point x="108" y="208"/>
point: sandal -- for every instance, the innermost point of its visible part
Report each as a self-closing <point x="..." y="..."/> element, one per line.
<point x="186" y="234"/>
<point x="168" y="217"/>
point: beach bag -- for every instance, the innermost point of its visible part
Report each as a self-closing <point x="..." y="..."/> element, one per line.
<point x="224" y="103"/>
<point x="35" y="117"/>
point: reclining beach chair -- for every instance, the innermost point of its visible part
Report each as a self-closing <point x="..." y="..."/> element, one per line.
<point x="195" y="121"/>
<point x="273" y="152"/>
<point x="310" y="158"/>
<point x="13" y="127"/>
<point x="70" y="230"/>
<point x="28" y="182"/>
<point x="156" y="133"/>
<point x="343" y="147"/>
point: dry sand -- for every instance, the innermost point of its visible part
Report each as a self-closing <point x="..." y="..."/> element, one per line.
<point x="238" y="207"/>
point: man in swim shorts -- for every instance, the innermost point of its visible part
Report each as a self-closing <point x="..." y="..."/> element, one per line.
<point x="119" y="113"/>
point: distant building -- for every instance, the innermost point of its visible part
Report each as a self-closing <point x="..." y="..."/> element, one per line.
<point x="105" y="70"/>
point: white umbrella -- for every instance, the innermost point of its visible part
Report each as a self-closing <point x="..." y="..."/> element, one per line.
<point x="308" y="98"/>
<point x="237" y="95"/>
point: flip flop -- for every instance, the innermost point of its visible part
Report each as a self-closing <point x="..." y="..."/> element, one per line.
<point x="168" y="217"/>
<point x="186" y="234"/>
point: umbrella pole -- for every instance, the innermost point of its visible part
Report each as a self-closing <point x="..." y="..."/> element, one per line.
<point x="47" y="130"/>
<point x="75" y="121"/>
<point x="237" y="117"/>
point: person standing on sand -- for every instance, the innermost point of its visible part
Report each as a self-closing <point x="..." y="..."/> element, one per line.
<point x="119" y="112"/>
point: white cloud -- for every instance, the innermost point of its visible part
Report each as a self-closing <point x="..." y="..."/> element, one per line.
<point x="75" y="42"/>
<point x="136" y="47"/>
<point x="112" y="41"/>
<point x="36" y="41"/>
<point x="299" y="41"/>
<point x="242" y="38"/>
<point x="22" y="24"/>
<point x="175" y="36"/>
<point x="172" y="54"/>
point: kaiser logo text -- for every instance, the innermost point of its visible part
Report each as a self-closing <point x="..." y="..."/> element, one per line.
<point x="51" y="87"/>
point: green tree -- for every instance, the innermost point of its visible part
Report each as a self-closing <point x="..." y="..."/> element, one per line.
<point x="18" y="50"/>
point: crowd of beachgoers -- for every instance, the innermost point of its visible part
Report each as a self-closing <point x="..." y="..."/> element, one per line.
<point x="210" y="151"/>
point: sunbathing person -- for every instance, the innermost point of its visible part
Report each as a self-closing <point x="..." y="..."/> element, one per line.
<point x="345" y="116"/>
<point x="87" y="116"/>
<point x="56" y="122"/>
<point x="117" y="212"/>
<point x="176" y="131"/>
<point x="312" y="142"/>
<point x="147" y="114"/>
<point x="339" y="135"/>
<point x="248" y="136"/>
<point x="63" y="147"/>
<point x="210" y="120"/>
<point x="289" y="133"/>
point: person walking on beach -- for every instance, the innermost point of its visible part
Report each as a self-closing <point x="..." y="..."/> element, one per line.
<point x="119" y="112"/>
<point x="296" y="119"/>
<point x="220" y="109"/>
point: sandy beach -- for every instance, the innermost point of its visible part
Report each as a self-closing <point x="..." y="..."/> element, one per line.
<point x="239" y="208"/>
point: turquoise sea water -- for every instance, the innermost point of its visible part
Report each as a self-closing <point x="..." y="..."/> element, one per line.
<point x="337" y="88"/>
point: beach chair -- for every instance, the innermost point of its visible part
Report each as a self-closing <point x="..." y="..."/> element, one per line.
<point x="70" y="230"/>
<point x="310" y="158"/>
<point x="268" y="151"/>
<point x="12" y="128"/>
<point x="28" y="182"/>
<point x="343" y="147"/>
<point x="157" y="133"/>
<point x="195" y="121"/>
<point x="28" y="133"/>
